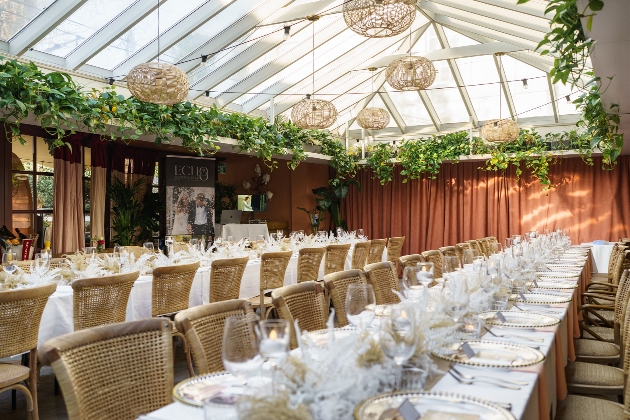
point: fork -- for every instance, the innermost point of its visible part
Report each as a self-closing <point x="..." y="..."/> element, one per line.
<point x="538" y="340"/>
<point x="472" y="378"/>
<point x="472" y="381"/>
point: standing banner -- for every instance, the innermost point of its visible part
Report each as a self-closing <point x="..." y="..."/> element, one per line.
<point x="190" y="185"/>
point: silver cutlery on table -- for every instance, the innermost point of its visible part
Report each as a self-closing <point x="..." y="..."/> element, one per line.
<point x="472" y="378"/>
<point x="522" y="337"/>
<point x="471" y="382"/>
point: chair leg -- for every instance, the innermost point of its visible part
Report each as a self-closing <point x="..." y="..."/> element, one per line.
<point x="13" y="399"/>
<point x="191" y="370"/>
<point x="27" y="395"/>
<point x="32" y="383"/>
<point x="56" y="388"/>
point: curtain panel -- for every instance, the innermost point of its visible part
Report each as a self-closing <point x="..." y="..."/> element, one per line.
<point x="98" y="187"/>
<point x="68" y="221"/>
<point x="129" y="164"/>
<point x="465" y="203"/>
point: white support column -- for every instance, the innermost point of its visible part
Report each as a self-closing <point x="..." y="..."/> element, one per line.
<point x="505" y="87"/>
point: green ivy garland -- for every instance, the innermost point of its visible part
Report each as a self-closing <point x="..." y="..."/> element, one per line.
<point x="380" y="162"/>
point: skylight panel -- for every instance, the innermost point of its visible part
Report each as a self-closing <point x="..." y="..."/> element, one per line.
<point x="14" y="15"/>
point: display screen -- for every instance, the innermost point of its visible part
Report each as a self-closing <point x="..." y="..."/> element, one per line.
<point x="252" y="202"/>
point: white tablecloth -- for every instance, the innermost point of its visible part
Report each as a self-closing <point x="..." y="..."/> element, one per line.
<point x="57" y="318"/>
<point x="244" y="231"/>
<point x="600" y="255"/>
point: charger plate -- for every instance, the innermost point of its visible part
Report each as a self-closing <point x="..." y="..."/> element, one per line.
<point x="556" y="285"/>
<point x="493" y="354"/>
<point x="193" y="391"/>
<point x="518" y="319"/>
<point x="384" y="406"/>
<point x="542" y="298"/>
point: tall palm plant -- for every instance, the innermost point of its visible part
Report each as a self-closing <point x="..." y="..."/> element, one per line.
<point x="330" y="198"/>
<point x="127" y="210"/>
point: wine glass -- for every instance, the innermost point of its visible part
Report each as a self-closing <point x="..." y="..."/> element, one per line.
<point x="517" y="239"/>
<point x="42" y="264"/>
<point x="416" y="277"/>
<point x="494" y="271"/>
<point x="455" y="295"/>
<point x="123" y="257"/>
<point x="149" y="247"/>
<point x="469" y="255"/>
<point x="495" y="248"/>
<point x="360" y="233"/>
<point x="8" y="262"/>
<point x="508" y="243"/>
<point x="398" y="336"/>
<point x="450" y="263"/>
<point x="230" y="239"/>
<point x="89" y="252"/>
<point x="240" y="351"/>
<point x="194" y="242"/>
<point x="280" y="234"/>
<point x="360" y="305"/>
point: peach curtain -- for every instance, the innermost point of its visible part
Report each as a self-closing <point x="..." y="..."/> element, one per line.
<point x="98" y="187"/>
<point x="68" y="219"/>
<point x="467" y="203"/>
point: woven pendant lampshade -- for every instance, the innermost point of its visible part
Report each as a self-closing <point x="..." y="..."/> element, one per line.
<point x="158" y="83"/>
<point x="379" y="18"/>
<point x="410" y="73"/>
<point x="500" y="131"/>
<point x="313" y="114"/>
<point x="373" y="118"/>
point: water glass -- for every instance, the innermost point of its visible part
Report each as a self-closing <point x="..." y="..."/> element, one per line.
<point x="42" y="264"/>
<point x="360" y="233"/>
<point x="360" y="305"/>
<point x="412" y="379"/>
<point x="469" y="255"/>
<point x="89" y="252"/>
<point x="230" y="239"/>
<point x="398" y="336"/>
<point x="280" y="234"/>
<point x="455" y="295"/>
<point x="8" y="262"/>
<point x="149" y="247"/>
<point x="194" y="242"/>
<point x="450" y="263"/>
<point x="240" y="352"/>
<point x="274" y="339"/>
<point x="508" y="243"/>
<point x="416" y="277"/>
<point x="499" y="301"/>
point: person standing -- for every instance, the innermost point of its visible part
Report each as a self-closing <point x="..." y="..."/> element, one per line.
<point x="198" y="217"/>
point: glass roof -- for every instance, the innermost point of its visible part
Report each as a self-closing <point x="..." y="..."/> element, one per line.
<point x="249" y="62"/>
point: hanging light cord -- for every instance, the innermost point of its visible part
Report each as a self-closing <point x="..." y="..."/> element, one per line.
<point x="313" y="74"/>
<point x="158" y="39"/>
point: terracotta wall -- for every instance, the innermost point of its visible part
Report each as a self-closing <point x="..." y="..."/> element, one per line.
<point x="291" y="188"/>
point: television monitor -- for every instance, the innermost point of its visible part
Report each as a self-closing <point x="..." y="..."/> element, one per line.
<point x="252" y="202"/>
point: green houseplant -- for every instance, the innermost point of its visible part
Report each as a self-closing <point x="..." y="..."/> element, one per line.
<point x="127" y="210"/>
<point x="330" y="198"/>
<point x="224" y="199"/>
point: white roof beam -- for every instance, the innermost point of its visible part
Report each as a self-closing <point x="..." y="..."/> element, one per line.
<point x="530" y="8"/>
<point x="323" y="35"/>
<point x="483" y="22"/>
<point x="300" y="11"/>
<point x="174" y="34"/>
<point x="110" y="32"/>
<point x="42" y="25"/>
<point x="393" y="111"/>
<point x="354" y="58"/>
<point x="239" y="61"/>
<point x="517" y="19"/>
<point x="426" y="101"/>
<point x="554" y="103"/>
<point x="505" y="87"/>
<point x="236" y="31"/>
<point x="457" y="76"/>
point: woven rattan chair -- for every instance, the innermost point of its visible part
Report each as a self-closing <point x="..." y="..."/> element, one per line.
<point x="377" y="247"/>
<point x="54" y="263"/>
<point x="449" y="250"/>
<point x="309" y="261"/>
<point x="116" y="371"/>
<point x="435" y="257"/>
<point x="336" y="258"/>
<point x="484" y="245"/>
<point x="225" y="278"/>
<point x="337" y="286"/>
<point x="171" y="294"/>
<point x="602" y="281"/>
<point x="273" y="267"/>
<point x="475" y="245"/>
<point x="203" y="327"/>
<point x="394" y="248"/>
<point x="410" y="260"/>
<point x="137" y="251"/>
<point x="20" y="314"/>
<point x="305" y="302"/>
<point x="101" y="300"/>
<point x="360" y="254"/>
<point x="382" y="276"/>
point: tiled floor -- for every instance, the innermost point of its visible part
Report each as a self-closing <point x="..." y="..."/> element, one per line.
<point x="51" y="406"/>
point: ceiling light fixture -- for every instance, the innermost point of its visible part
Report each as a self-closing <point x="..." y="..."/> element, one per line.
<point x="379" y="18"/>
<point x="110" y="81"/>
<point x="313" y="113"/>
<point x="373" y="118"/>
<point x="568" y="98"/>
<point x="501" y="130"/>
<point x="158" y="83"/>
<point x="287" y="33"/>
<point x="525" y="85"/>
<point x="204" y="60"/>
<point x="410" y="73"/>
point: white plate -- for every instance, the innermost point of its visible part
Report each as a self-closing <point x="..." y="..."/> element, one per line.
<point x="379" y="406"/>
<point x="491" y="354"/>
<point x="518" y="319"/>
<point x="556" y="285"/>
<point x="542" y="298"/>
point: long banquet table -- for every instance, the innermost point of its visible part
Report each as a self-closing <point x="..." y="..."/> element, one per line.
<point x="57" y="318"/>
<point x="536" y="401"/>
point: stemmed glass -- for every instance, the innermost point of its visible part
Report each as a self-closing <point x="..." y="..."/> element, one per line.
<point x="398" y="336"/>
<point x="42" y="264"/>
<point x="360" y="234"/>
<point x="508" y="243"/>
<point x="495" y="248"/>
<point x="360" y="305"/>
<point x="418" y="277"/>
<point x="240" y="352"/>
<point x="149" y="247"/>
<point x="280" y="235"/>
<point x="469" y="255"/>
<point x="194" y="242"/>
<point x="450" y="263"/>
<point x="494" y="271"/>
<point x="455" y="296"/>
<point x="8" y="262"/>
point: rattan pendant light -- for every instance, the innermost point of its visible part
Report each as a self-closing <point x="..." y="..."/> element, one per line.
<point x="373" y="118"/>
<point x="158" y="83"/>
<point x="379" y="18"/>
<point x="410" y="73"/>
<point x="310" y="113"/>
<point x="501" y="130"/>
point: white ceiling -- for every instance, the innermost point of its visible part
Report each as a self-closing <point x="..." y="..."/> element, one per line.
<point x="249" y="62"/>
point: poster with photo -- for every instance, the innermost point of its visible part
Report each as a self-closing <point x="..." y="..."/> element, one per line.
<point x="190" y="183"/>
